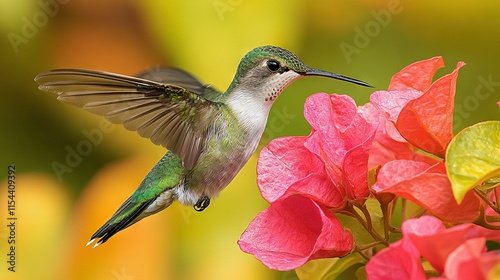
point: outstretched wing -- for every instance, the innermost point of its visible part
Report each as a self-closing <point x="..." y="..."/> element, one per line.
<point x="175" y="76"/>
<point x="170" y="115"/>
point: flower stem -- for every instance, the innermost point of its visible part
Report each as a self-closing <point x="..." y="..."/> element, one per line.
<point x="486" y="200"/>
<point x="386" y="217"/>
<point x="403" y="210"/>
<point x="367" y="224"/>
<point x="367" y="215"/>
<point x="363" y="255"/>
<point x="496" y="196"/>
<point x="483" y="221"/>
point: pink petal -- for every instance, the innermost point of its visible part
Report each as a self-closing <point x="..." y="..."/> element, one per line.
<point x="427" y="121"/>
<point x="395" y="262"/>
<point x="319" y="188"/>
<point x="294" y="230"/>
<point x="326" y="112"/>
<point x="436" y="252"/>
<point x="385" y="148"/>
<point x="428" y="186"/>
<point x="341" y="137"/>
<point x="486" y="262"/>
<point x="417" y="75"/>
<point x="391" y="102"/>
<point x="330" y="115"/>
<point x="462" y="263"/>
<point x="425" y="225"/>
<point x="355" y="171"/>
<point x="282" y="163"/>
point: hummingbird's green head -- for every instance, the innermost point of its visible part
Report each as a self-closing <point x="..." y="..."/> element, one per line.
<point x="267" y="70"/>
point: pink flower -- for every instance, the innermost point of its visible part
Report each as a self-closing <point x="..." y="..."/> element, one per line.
<point x="287" y="168"/>
<point x="331" y="164"/>
<point x="294" y="230"/>
<point x="308" y="179"/>
<point x="305" y="178"/>
<point x="341" y="137"/>
<point x="456" y="253"/>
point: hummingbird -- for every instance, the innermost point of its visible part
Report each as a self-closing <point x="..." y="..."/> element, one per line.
<point x="209" y="135"/>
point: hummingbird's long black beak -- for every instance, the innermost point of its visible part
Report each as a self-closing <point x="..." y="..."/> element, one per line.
<point x="317" y="72"/>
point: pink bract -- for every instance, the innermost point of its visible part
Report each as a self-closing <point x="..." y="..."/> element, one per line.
<point x="341" y="137"/>
<point x="456" y="253"/>
<point x="294" y="230"/>
<point x="428" y="186"/>
<point x="286" y="168"/>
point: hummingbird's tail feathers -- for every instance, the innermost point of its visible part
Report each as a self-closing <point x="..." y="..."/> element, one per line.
<point x="127" y="215"/>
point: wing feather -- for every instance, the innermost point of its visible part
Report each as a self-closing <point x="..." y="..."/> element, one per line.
<point x="169" y="115"/>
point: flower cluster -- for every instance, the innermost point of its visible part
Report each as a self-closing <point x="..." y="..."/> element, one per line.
<point x="400" y="138"/>
<point x="462" y="256"/>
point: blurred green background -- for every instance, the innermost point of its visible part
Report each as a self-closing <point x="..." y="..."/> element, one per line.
<point x="58" y="209"/>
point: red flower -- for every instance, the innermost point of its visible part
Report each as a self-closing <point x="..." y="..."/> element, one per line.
<point x="418" y="114"/>
<point x="421" y="112"/>
<point x="427" y="121"/>
<point x="462" y="256"/>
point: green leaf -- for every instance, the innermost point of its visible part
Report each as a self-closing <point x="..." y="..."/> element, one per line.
<point x="335" y="268"/>
<point x="473" y="157"/>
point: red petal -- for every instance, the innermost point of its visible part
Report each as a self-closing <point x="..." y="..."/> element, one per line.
<point x="427" y="121"/>
<point x="294" y="230"/>
<point x="395" y="262"/>
<point x="417" y="75"/>
<point x="428" y="186"/>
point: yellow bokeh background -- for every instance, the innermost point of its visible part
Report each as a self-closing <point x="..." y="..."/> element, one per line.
<point x="58" y="212"/>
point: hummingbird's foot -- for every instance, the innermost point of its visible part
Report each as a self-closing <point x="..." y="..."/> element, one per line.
<point x="202" y="203"/>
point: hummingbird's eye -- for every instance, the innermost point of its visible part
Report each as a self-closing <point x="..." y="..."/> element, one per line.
<point x="273" y="65"/>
